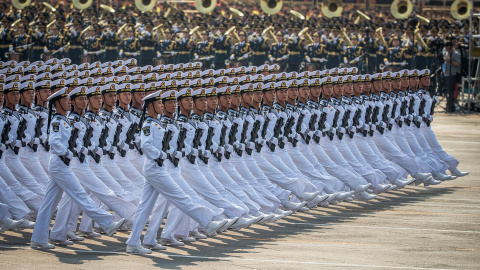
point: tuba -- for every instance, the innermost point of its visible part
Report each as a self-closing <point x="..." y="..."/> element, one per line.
<point x="379" y="33"/>
<point x="461" y="9"/>
<point x="269" y="34"/>
<point x="346" y="38"/>
<point x="401" y="9"/>
<point x="21" y="4"/>
<point x="271" y="6"/>
<point x="82" y="4"/>
<point x="231" y="31"/>
<point x="308" y="39"/>
<point x="145" y="5"/>
<point x="332" y="8"/>
<point x="205" y="6"/>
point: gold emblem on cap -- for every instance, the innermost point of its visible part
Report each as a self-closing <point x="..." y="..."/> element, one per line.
<point x="172" y="94"/>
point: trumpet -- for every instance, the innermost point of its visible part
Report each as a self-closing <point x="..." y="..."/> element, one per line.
<point x="379" y="34"/>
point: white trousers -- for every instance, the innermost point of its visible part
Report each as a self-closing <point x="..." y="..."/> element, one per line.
<point x="117" y="174"/>
<point x="230" y="185"/>
<point x="343" y="171"/>
<point x="253" y="175"/>
<point x="136" y="159"/>
<point x="3" y="211"/>
<point x="196" y="179"/>
<point x="437" y="148"/>
<point x="417" y="149"/>
<point x="31" y="162"/>
<point x="63" y="180"/>
<point x="17" y="208"/>
<point x="31" y="199"/>
<point x="130" y="171"/>
<point x="43" y="157"/>
<point x="21" y="174"/>
<point x="108" y="180"/>
<point x="96" y="187"/>
<point x="302" y="164"/>
<point x="440" y="165"/>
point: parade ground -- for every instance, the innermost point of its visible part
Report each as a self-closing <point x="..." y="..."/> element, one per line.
<point x="437" y="227"/>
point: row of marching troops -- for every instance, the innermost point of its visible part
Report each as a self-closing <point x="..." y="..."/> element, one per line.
<point x="152" y="40"/>
<point x="221" y="151"/>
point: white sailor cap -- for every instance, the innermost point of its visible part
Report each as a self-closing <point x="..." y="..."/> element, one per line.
<point x="282" y="85"/>
<point x="105" y="64"/>
<point x="51" y="61"/>
<point x="245" y="79"/>
<point x="221" y="80"/>
<point x="62" y="93"/>
<point x="211" y="92"/>
<point x="120" y="70"/>
<point x="77" y="92"/>
<point x="109" y="88"/>
<point x="413" y="73"/>
<point x="113" y="79"/>
<point x="292" y="75"/>
<point x="199" y="93"/>
<point x="219" y="72"/>
<point x="99" y="81"/>
<point x="94" y="65"/>
<point x="73" y="82"/>
<point x="139" y="87"/>
<point x="30" y="77"/>
<point x="424" y="73"/>
<point x="183" y="83"/>
<point x="387" y="75"/>
<point x="27" y="86"/>
<point x="208" y="82"/>
<point x="184" y="93"/>
<point x="352" y="70"/>
<point x="135" y="71"/>
<point x="169" y="95"/>
<point x="248" y="87"/>
<point x="13" y="78"/>
<point x="44" y="85"/>
<point x="94" y="91"/>
<point x="146" y="69"/>
<point x="153" y="97"/>
<point x="65" y="61"/>
<point x="60" y="75"/>
<point x="86" y="82"/>
<point x="12" y="87"/>
<point x="224" y="91"/>
<point x="17" y="70"/>
<point x="83" y="66"/>
<point x="403" y="73"/>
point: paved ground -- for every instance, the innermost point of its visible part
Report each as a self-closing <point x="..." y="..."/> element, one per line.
<point x="413" y="228"/>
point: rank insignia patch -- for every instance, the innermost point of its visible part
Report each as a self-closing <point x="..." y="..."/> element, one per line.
<point x="56" y="127"/>
<point x="146" y="130"/>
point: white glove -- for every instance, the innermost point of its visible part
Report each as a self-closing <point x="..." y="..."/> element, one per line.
<point x="387" y="63"/>
<point x="109" y="125"/>
<point x="123" y="121"/>
<point x="203" y="126"/>
<point x="43" y="137"/>
<point x="285" y="57"/>
<point x="97" y="52"/>
<point x="148" y="34"/>
<point x="45" y="50"/>
<point x="61" y="49"/>
<point x="162" y="155"/>
<point x="274" y="140"/>
<point x="345" y="61"/>
<point x="237" y="121"/>
<point x="308" y="59"/>
<point x="271" y="116"/>
<point x="207" y="58"/>
<point x="135" y="54"/>
<point x="159" y="55"/>
<point x="419" y="48"/>
<point x="228" y="148"/>
<point x="171" y="128"/>
<point x="232" y="57"/>
<point x="177" y="154"/>
<point x="173" y="52"/>
<point x="170" y="151"/>
<point x="381" y="48"/>
<point x="321" y="60"/>
<point x="259" y="38"/>
<point x="212" y="124"/>
<point x="283" y="115"/>
<point x="79" y="125"/>
<point x="124" y="146"/>
<point x="113" y="150"/>
<point x="69" y="155"/>
<point x="2" y="147"/>
<point x="35" y="141"/>
<point x="250" y="145"/>
<point x="187" y="149"/>
<point x="10" y="49"/>
<point x="245" y="56"/>
<point x="27" y="139"/>
<point x="403" y="64"/>
<point x="357" y="59"/>
<point x="196" y="57"/>
<point x="327" y="127"/>
<point x="85" y="52"/>
<point x="271" y="59"/>
<point x="341" y="130"/>
<point x="227" y="124"/>
<point x="120" y="53"/>
<point x="78" y="147"/>
<point x="260" y="141"/>
<point x="259" y="118"/>
<point x="193" y="152"/>
<point x="10" y="139"/>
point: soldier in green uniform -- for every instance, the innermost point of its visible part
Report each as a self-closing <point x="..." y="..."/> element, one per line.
<point x="39" y="42"/>
<point x="110" y="40"/>
<point x="204" y="51"/>
<point x="241" y="51"/>
<point x="370" y="45"/>
<point x="6" y="36"/>
<point x="21" y="41"/>
<point x="148" y="44"/>
<point x="295" y="48"/>
<point x="279" y="52"/>
<point x="222" y="44"/>
<point x="130" y="46"/>
<point x="75" y="37"/>
<point x="395" y="58"/>
<point x="92" y="45"/>
<point x="334" y="48"/>
<point x="354" y="53"/>
<point x="259" y="46"/>
<point x="55" y="43"/>
<point x="315" y="55"/>
<point x="185" y="46"/>
<point x="168" y="48"/>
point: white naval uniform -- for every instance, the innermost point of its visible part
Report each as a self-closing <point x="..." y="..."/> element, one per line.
<point x="63" y="180"/>
<point x="3" y="211"/>
<point x="159" y="182"/>
<point x="134" y="155"/>
<point x="92" y="185"/>
<point x="43" y="150"/>
<point x="28" y="156"/>
<point x="31" y="199"/>
<point x="17" y="208"/>
<point x="13" y="162"/>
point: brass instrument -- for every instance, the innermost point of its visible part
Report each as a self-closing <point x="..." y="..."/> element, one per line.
<point x="52" y="9"/>
<point x="21" y="4"/>
<point x="271" y="6"/>
<point x="119" y="31"/>
<point x="332" y="8"/>
<point x="50" y="24"/>
<point x="461" y="9"/>
<point x="194" y="31"/>
<point x="308" y="39"/>
<point x="82" y="4"/>
<point x="13" y="24"/>
<point x="379" y="34"/>
<point x="243" y="58"/>
<point x="420" y="39"/>
<point x="231" y="31"/>
<point x="361" y="17"/>
<point x="107" y="8"/>
<point x="145" y="5"/>
<point x="270" y="35"/>
<point x="205" y="6"/>
<point x="346" y="38"/>
<point x="297" y="14"/>
<point x="401" y="9"/>
<point x="423" y="19"/>
<point x="236" y="12"/>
